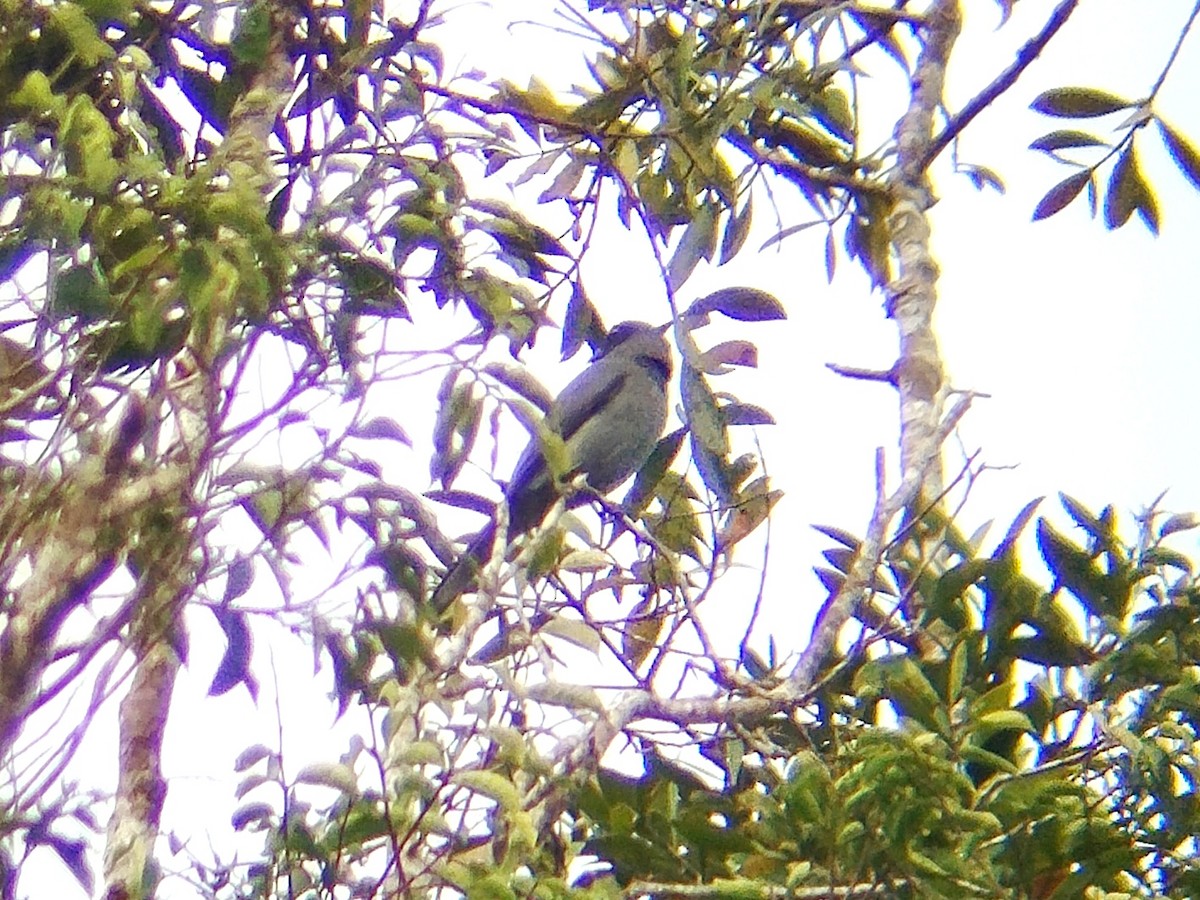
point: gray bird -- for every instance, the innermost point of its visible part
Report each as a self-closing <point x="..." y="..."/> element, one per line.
<point x="610" y="418"/>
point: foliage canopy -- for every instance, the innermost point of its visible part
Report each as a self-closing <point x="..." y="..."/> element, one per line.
<point x="230" y="234"/>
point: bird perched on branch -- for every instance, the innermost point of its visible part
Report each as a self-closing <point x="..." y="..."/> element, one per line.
<point x="609" y="418"/>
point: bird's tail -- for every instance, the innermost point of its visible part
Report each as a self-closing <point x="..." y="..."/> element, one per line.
<point x="462" y="576"/>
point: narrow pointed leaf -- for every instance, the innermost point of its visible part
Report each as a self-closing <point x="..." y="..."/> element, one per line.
<point x="1061" y="194"/>
<point x="1079" y="103"/>
<point x="1185" y="154"/>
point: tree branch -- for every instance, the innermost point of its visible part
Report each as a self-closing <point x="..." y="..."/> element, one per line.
<point x="918" y="374"/>
<point x="1006" y="79"/>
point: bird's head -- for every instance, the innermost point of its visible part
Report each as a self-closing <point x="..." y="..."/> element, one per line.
<point x="644" y="343"/>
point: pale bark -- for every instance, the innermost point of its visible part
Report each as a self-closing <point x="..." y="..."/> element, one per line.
<point x="918" y="373"/>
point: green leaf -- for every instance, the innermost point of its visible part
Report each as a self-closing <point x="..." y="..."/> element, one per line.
<point x="651" y="473"/>
<point x="987" y="760"/>
<point x="491" y="784"/>
<point x="1008" y="544"/>
<point x="737" y="229"/>
<point x="1079" y="103"/>
<point x="105" y="11"/>
<point x="251" y="43"/>
<point x="1128" y="192"/>
<point x="381" y="428"/>
<point x="1076" y="570"/>
<point x="1186" y="157"/>
<point x="710" y="440"/>
<point x="900" y="679"/>
<point x="334" y="775"/>
<point x="234" y="668"/>
<point x="1085" y="518"/>
<point x="37" y="96"/>
<point x="73" y="853"/>
<point x="697" y="243"/>
<point x="454" y="433"/>
<point x="704" y="417"/>
<point x="746" y="414"/>
<point x="1066" y="139"/>
<point x="514" y="231"/>
<point x="808" y="145"/>
<point x="250" y="756"/>
<point x="1061" y="194"/>
<point x="361" y="824"/>
<point x="868" y="239"/>
<point x="81" y="33"/>
<point x="746" y="304"/>
<point x="79" y="291"/>
<point x="1004" y="720"/>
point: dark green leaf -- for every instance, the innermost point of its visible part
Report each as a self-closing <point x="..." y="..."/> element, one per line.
<point x="1120" y="200"/>
<point x="79" y="291"/>
<point x="234" y="667"/>
<point x="1186" y="156"/>
<point x="1085" y="518"/>
<point x="955" y="582"/>
<point x="745" y="304"/>
<point x="1061" y="194"/>
<point x="1077" y="571"/>
<point x="832" y="581"/>
<point x="1008" y="544"/>
<point x="1045" y="649"/>
<point x="381" y="428"/>
<point x="1065" y="139"/>
<point x="845" y="538"/>
<point x="705" y="420"/>
<point x="1179" y="522"/>
<point x="737" y="229"/>
<point x="1079" y="103"/>
<point x="651" y="473"/>
<point x="238" y="579"/>
<point x="253" y="35"/>
<point x="901" y="680"/>
<point x="746" y="414"/>
<point x="73" y="853"/>
<point x="696" y="244"/>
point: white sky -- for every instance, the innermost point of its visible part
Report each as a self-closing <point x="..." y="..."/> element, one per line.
<point x="1084" y="338"/>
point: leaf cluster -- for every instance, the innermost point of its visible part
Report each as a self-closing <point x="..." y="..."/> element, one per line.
<point x="999" y="733"/>
<point x="1126" y="191"/>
